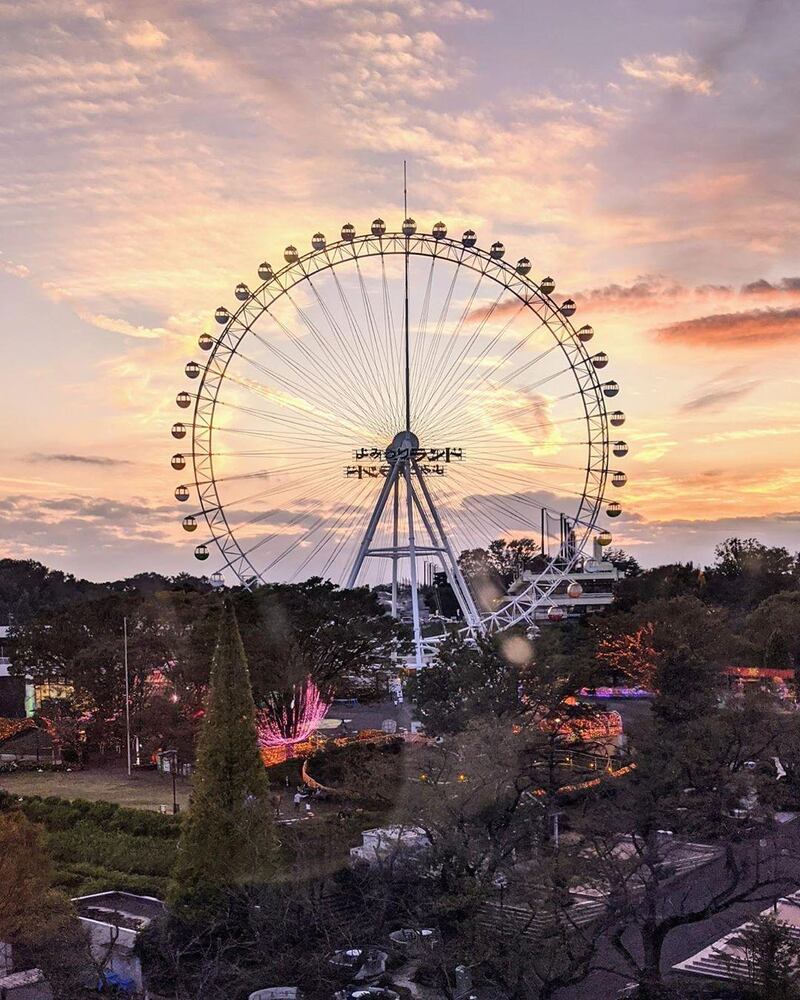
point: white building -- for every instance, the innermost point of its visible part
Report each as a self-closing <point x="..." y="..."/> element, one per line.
<point x="114" y="920"/>
<point x="596" y="576"/>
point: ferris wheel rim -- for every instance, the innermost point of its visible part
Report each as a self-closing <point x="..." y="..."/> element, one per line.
<point x="370" y="245"/>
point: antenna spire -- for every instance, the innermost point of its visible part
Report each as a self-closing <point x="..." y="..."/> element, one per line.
<point x="406" y="323"/>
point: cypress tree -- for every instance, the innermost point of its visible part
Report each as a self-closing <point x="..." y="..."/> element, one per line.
<point x="777" y="653"/>
<point x="227" y="836"/>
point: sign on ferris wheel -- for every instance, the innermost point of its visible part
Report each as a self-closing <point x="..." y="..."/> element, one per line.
<point x="388" y="400"/>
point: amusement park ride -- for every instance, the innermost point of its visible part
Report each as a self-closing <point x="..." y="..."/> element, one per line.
<point x="388" y="400"/>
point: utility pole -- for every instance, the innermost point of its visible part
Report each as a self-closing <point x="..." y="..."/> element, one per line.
<point x="127" y="695"/>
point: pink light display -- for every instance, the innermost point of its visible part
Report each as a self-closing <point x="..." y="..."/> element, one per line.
<point x="287" y="720"/>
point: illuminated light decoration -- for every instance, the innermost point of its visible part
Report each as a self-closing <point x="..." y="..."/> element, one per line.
<point x="289" y="722"/>
<point x="759" y="673"/>
<point x="601" y="726"/>
<point x="585" y="728"/>
<point x="615" y="692"/>
<point x="13" y="727"/>
<point x="632" y="654"/>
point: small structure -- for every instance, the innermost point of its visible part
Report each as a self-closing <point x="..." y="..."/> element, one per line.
<point x="596" y="579"/>
<point x="412" y="942"/>
<point x="366" y="993"/>
<point x="724" y="959"/>
<point x="28" y="985"/>
<point x="360" y="964"/>
<point x="276" y="993"/>
<point x="23" y="740"/>
<point x="114" y="920"/>
<point x="380" y="842"/>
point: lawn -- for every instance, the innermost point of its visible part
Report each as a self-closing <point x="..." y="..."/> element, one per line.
<point x="145" y="790"/>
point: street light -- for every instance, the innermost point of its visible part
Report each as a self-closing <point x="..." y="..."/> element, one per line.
<point x="127" y="694"/>
<point x="173" y="769"/>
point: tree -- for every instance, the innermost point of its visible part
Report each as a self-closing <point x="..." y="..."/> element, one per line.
<point x="777" y="654"/>
<point x="672" y="580"/>
<point x="746" y="572"/>
<point x="779" y="612"/>
<point x="489" y="572"/>
<point x="623" y="561"/>
<point x="771" y="956"/>
<point x="36" y="921"/>
<point x="227" y="836"/>
<point x="313" y="629"/>
<point x="466" y="680"/>
<point x="691" y="641"/>
<point x="84" y="646"/>
<point x="632" y="655"/>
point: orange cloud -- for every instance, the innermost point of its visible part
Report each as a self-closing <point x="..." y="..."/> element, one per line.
<point x="751" y="328"/>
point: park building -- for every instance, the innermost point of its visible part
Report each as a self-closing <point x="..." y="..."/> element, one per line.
<point x="22" y="697"/>
<point x="596" y="577"/>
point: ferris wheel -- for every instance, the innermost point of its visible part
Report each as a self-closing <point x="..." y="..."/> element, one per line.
<point x="386" y="401"/>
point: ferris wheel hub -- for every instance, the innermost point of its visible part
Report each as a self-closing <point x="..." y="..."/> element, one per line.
<point x="404" y="443"/>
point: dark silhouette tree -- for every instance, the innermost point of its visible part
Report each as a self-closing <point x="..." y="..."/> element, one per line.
<point x="777" y="654"/>
<point x="227" y="836"/>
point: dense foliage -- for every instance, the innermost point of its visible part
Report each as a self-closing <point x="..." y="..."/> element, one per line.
<point x="226" y="838"/>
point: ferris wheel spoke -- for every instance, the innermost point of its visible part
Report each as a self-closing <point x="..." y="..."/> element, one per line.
<point x="393" y="341"/>
<point x="476" y="430"/>
<point x="512" y="351"/>
<point x="380" y="355"/>
<point x="269" y="435"/>
<point x="309" y="387"/>
<point x="332" y="356"/>
<point x="554" y="488"/>
<point x="331" y="373"/>
<point x="367" y="378"/>
<point x="433" y="362"/>
<point x="456" y="513"/>
<point x="298" y="415"/>
<point x="471" y="368"/>
<point x="260" y="517"/>
<point x="418" y="369"/>
<point x="342" y="543"/>
<point x="332" y="531"/>
<point x="444" y="386"/>
<point x="298" y="518"/>
<point x="271" y="418"/>
<point x="443" y="357"/>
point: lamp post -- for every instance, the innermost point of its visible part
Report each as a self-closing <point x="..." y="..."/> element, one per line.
<point x="127" y="695"/>
<point x="173" y="767"/>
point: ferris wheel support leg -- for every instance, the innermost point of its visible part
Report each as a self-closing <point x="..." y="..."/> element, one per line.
<point x="369" y="534"/>
<point x="412" y="558"/>
<point x="395" y="531"/>
<point x="455" y="576"/>
<point x="449" y="564"/>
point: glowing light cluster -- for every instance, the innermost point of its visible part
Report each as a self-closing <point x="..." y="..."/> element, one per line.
<point x="286" y="722"/>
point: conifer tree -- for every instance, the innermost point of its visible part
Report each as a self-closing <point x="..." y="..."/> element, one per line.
<point x="227" y="836"/>
<point x="777" y="654"/>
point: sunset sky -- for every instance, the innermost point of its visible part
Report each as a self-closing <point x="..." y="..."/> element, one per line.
<point x="646" y="153"/>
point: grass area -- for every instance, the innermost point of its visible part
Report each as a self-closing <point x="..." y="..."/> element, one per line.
<point x="145" y="790"/>
<point x="99" y="846"/>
